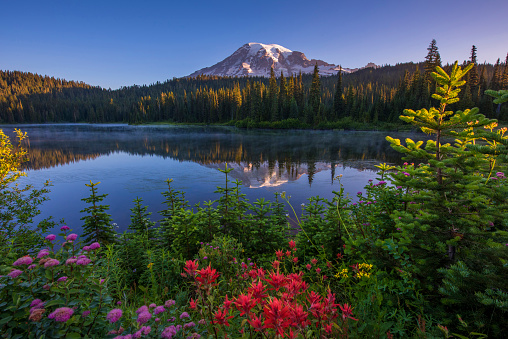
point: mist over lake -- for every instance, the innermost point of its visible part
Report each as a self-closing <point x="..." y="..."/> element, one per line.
<point x="135" y="161"/>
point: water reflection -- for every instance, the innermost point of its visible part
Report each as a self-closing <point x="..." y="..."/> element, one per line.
<point x="134" y="161"/>
<point x="261" y="158"/>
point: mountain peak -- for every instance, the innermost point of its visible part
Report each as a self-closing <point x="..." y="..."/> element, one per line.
<point x="257" y="59"/>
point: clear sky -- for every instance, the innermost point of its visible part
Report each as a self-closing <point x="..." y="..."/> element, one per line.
<point x="121" y="43"/>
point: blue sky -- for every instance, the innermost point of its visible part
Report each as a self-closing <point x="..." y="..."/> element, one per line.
<point x="121" y="43"/>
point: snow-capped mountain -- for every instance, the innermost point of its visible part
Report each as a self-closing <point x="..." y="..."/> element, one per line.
<point x="257" y="59"/>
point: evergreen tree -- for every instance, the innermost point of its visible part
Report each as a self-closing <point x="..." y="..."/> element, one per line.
<point x="140" y="219"/>
<point x="432" y="59"/>
<point x="282" y="97"/>
<point x="473" y="79"/>
<point x="97" y="223"/>
<point x="338" y="100"/>
<point x="273" y="107"/>
<point x="315" y="98"/>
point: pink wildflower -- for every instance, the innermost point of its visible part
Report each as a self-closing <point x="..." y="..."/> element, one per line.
<point x="71" y="261"/>
<point x="62" y="279"/>
<point x="85" y="314"/>
<point x="169" y="303"/>
<point x="26" y="260"/>
<point x="143" y="317"/>
<point x="50" y="237"/>
<point x="65" y="228"/>
<point x="114" y="315"/>
<point x="15" y="273"/>
<point x="158" y="309"/>
<point x="95" y="246"/>
<point x="142" y="309"/>
<point x="83" y="261"/>
<point x="72" y="237"/>
<point x="62" y="314"/>
<point x="51" y="262"/>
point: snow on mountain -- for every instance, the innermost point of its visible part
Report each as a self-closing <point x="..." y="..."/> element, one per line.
<point x="256" y="59"/>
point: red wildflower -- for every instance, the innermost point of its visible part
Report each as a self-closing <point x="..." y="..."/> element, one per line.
<point x="277" y="316"/>
<point x="191" y="267"/>
<point x="292" y="245"/>
<point x="288" y="253"/>
<point x="340" y="256"/>
<point x="328" y="264"/>
<point x="207" y="276"/>
<point x="275" y="264"/>
<point x="257" y="291"/>
<point x="256" y="323"/>
<point x="309" y="266"/>
<point x="295" y="260"/>
<point x="276" y="280"/>
<point x="227" y="303"/>
<point x="279" y="254"/>
<point x="193" y="304"/>
<point x="220" y="318"/>
<point x="314" y="261"/>
<point x="244" y="303"/>
<point x="328" y="328"/>
<point x="347" y="311"/>
<point x="299" y="316"/>
<point x="318" y="270"/>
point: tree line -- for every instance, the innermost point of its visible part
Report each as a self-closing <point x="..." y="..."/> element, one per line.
<point x="368" y="96"/>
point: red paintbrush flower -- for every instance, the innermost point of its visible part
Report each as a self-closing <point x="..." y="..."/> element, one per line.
<point x="277" y="316"/>
<point x="299" y="316"/>
<point x="276" y="280"/>
<point x="347" y="311"/>
<point x="244" y="303"/>
<point x="207" y="276"/>
<point x="257" y="291"/>
<point x="256" y="323"/>
<point x="220" y="317"/>
<point x="193" y="304"/>
<point x="292" y="245"/>
<point x="227" y="303"/>
<point x="279" y="254"/>
<point x="191" y="267"/>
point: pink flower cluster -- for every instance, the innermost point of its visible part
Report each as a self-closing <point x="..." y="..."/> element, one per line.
<point x="15" y="273"/>
<point x="62" y="314"/>
<point x="114" y="315"/>
<point x="26" y="260"/>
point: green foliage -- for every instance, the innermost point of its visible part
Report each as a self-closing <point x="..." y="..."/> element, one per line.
<point x="140" y="219"/>
<point x="19" y="204"/>
<point x="97" y="223"/>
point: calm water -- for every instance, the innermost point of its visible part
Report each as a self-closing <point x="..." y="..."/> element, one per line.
<point x="134" y="161"/>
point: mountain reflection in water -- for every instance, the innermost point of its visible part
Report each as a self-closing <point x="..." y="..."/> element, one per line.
<point x="133" y="161"/>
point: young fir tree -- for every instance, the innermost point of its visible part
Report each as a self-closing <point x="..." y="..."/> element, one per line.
<point x="97" y="226"/>
<point x="140" y="219"/>
<point x="455" y="239"/>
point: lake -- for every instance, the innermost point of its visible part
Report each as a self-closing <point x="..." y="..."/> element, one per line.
<point x="134" y="161"/>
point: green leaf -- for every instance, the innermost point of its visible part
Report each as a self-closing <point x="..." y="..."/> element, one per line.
<point x="73" y="335"/>
<point x="5" y="320"/>
<point x="55" y="302"/>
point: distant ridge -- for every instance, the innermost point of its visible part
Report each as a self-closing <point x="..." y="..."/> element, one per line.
<point x="256" y="59"/>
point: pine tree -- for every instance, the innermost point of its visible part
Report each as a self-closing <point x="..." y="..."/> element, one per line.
<point x="283" y="97"/>
<point x="432" y="59"/>
<point x="338" y="100"/>
<point x="495" y="84"/>
<point x="140" y="220"/>
<point x="97" y="226"/>
<point x="473" y="79"/>
<point x="273" y="107"/>
<point x="315" y="98"/>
